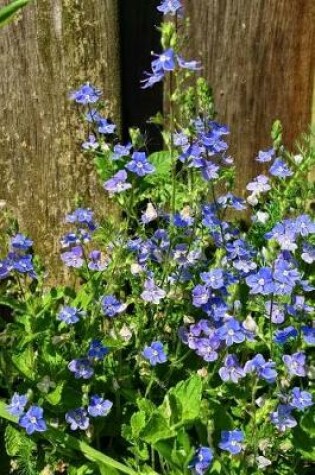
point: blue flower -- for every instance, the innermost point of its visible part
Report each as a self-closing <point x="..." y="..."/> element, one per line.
<point x="86" y="94"/>
<point x="308" y="254"/>
<point x="97" y="350"/>
<point x="201" y="295"/>
<point x="201" y="461"/>
<point x="120" y="151"/>
<point x="261" y="282"/>
<point x="295" y="363"/>
<point x="17" y="404"/>
<point x="140" y="164"/>
<point x="276" y="311"/>
<point x="206" y="347"/>
<point x="170" y="7"/>
<point x="231" y="371"/>
<point x="91" y="143"/>
<point x="111" y="306"/>
<point x="300" y="399"/>
<point x="264" y="369"/>
<point x="155" y="353"/>
<point x="5" y="268"/>
<point x="152" y="293"/>
<point x="117" y="183"/>
<point x="266" y="155"/>
<point x="96" y="263"/>
<point x="22" y="264"/>
<point x="281" y="336"/>
<point x="105" y="126"/>
<point x="82" y="216"/>
<point x="259" y="185"/>
<point x="209" y="170"/>
<point x="151" y="79"/>
<point x="309" y="335"/>
<point x="282" y="418"/>
<point x="164" y="61"/>
<point x="280" y="169"/>
<point x="81" y="368"/>
<point x="232" y="441"/>
<point x="99" y="407"/>
<point x="77" y="418"/>
<point x="69" y="315"/>
<point x="305" y="225"/>
<point x="191" y="65"/>
<point x="21" y="242"/>
<point x="73" y="258"/>
<point x="231" y="332"/>
<point x="33" y="420"/>
<point x="214" y="278"/>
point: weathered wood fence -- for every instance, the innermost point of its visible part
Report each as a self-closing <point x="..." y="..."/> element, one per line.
<point x="259" y="57"/>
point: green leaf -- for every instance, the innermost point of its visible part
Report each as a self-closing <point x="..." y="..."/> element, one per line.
<point x="25" y="362"/>
<point x="185" y="400"/>
<point x="55" y="396"/>
<point x="163" y="165"/>
<point x="304" y="444"/>
<point x="137" y="423"/>
<point x="157" y="428"/>
<point x="7" y="13"/>
<point x="308" y="422"/>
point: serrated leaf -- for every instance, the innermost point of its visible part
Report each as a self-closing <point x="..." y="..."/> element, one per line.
<point x="162" y="162"/>
<point x="137" y="423"/>
<point x="157" y="428"/>
<point x="25" y="362"/>
<point x="185" y="400"/>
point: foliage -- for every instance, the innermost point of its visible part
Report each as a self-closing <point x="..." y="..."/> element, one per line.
<point x="184" y="345"/>
<point x="8" y="12"/>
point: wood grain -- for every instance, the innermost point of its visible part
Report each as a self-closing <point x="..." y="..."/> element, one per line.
<point x="259" y="56"/>
<point x="55" y="45"/>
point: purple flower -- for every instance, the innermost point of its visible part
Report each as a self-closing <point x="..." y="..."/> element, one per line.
<point x="22" y="264"/>
<point x="209" y="170"/>
<point x="300" y="399"/>
<point x="140" y="164"/>
<point x="151" y="79"/>
<point x="201" y="461"/>
<point x="69" y="315"/>
<point x="280" y="169"/>
<point x="111" y="306"/>
<point x="282" y="336"/>
<point x="121" y="151"/>
<point x="309" y="335"/>
<point x="276" y="311"/>
<point x="92" y="115"/>
<point x="191" y="65"/>
<point x="282" y="418"/>
<point x="86" y="94"/>
<point x="259" y="185"/>
<point x="231" y="371"/>
<point x="152" y="293"/>
<point x="200" y="295"/>
<point x="91" y="143"/>
<point x="183" y="219"/>
<point x="106" y="127"/>
<point x="21" y="242"/>
<point x="295" y="363"/>
<point x="305" y="225"/>
<point x="170" y="7"/>
<point x="232" y="441"/>
<point x="95" y="262"/>
<point x="33" y="420"/>
<point x="17" y="404"/>
<point x="261" y="282"/>
<point x="232" y="201"/>
<point x="231" y="332"/>
<point x="77" y="418"/>
<point x="99" y="407"/>
<point x="155" y="353"/>
<point x="73" y="258"/>
<point x="308" y="254"/>
<point x="164" y="62"/>
<point x="264" y="369"/>
<point x="81" y="368"/>
<point x="97" y="350"/>
<point x="5" y="268"/>
<point x="265" y="155"/>
<point x="206" y="347"/>
<point x="82" y="216"/>
<point x="117" y="183"/>
<point x="213" y="278"/>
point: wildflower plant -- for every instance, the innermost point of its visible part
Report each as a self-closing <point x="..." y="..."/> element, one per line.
<point x="186" y="345"/>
